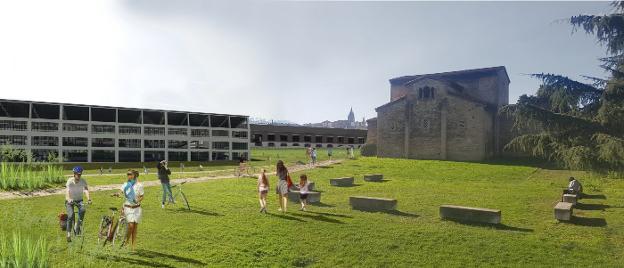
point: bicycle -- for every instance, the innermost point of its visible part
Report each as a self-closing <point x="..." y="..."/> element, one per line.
<point x="111" y="230"/>
<point x="181" y="193"/>
<point x="245" y="169"/>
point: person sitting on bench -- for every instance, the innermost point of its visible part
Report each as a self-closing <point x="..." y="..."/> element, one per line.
<point x="574" y="187"/>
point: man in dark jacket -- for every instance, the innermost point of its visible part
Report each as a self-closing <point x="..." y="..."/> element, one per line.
<point x="163" y="176"/>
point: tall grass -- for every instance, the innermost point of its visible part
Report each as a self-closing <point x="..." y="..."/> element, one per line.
<point x="29" y="176"/>
<point x="23" y="251"/>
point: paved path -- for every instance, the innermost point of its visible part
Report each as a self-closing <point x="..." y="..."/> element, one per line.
<point x="57" y="191"/>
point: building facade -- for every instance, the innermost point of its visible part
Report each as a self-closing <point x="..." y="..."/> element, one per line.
<point x="86" y="133"/>
<point x="300" y="137"/>
<point x="451" y="116"/>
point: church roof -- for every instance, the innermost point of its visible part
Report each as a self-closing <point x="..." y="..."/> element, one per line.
<point x="451" y="75"/>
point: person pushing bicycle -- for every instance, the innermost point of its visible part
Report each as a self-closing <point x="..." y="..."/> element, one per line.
<point x="75" y="188"/>
<point x="133" y="193"/>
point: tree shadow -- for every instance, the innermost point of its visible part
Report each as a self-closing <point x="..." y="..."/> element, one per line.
<point x="286" y="217"/>
<point x="132" y="261"/>
<point x="321" y="204"/>
<point x="383" y="180"/>
<point x="329" y="214"/>
<point x="589" y="222"/>
<point x="321" y="218"/>
<point x="582" y="206"/>
<point x="325" y="167"/>
<point x="499" y="226"/>
<point x="154" y="254"/>
<point x="593" y="196"/>
<point x="347" y="186"/>
<point x="400" y="213"/>
<point x="198" y="211"/>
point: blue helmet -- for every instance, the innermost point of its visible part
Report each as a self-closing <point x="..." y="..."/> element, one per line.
<point x="77" y="169"/>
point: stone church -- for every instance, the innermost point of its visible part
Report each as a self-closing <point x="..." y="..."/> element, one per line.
<point x="450" y="116"/>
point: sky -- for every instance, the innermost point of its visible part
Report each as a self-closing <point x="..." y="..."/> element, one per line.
<point x="296" y="61"/>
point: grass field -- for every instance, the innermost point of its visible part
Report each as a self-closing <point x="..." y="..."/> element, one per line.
<point x="224" y="228"/>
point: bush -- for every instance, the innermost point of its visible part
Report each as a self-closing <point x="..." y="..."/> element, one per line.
<point x="369" y="150"/>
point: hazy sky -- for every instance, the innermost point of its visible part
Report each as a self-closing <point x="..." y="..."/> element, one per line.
<point x="297" y="61"/>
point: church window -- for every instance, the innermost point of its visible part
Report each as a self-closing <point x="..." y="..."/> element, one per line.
<point x="426" y="93"/>
<point x="426" y="123"/>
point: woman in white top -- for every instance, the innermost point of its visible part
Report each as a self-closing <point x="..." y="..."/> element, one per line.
<point x="133" y="193"/>
<point x="263" y="190"/>
<point x="303" y="191"/>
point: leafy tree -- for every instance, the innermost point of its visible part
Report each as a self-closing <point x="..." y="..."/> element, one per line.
<point x="580" y="125"/>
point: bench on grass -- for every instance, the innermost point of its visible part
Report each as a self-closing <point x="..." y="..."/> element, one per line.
<point x="313" y="197"/>
<point x="372" y="203"/>
<point x="348" y="181"/>
<point x="484" y="215"/>
<point x="570" y="198"/>
<point x="563" y="211"/>
<point x="373" y="178"/>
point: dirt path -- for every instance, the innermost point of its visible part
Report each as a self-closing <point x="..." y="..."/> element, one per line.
<point x="56" y="191"/>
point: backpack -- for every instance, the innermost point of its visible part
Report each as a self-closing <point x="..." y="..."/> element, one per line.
<point x="63" y="221"/>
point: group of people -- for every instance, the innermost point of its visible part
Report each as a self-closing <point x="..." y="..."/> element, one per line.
<point x="284" y="185"/>
<point x="311" y="154"/>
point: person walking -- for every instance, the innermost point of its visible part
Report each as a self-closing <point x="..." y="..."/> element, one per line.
<point x="75" y="188"/>
<point x="330" y="152"/>
<point x="303" y="191"/>
<point x="133" y="194"/>
<point x="163" y="176"/>
<point x="263" y="190"/>
<point x="282" y="185"/>
<point x="313" y="155"/>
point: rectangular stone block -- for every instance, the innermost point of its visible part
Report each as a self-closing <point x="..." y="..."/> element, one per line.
<point x="372" y="203"/>
<point x="341" y="181"/>
<point x="313" y="197"/>
<point x="373" y="178"/>
<point x="570" y="198"/>
<point x="484" y="215"/>
<point x="563" y="211"/>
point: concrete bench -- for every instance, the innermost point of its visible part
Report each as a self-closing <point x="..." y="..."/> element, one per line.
<point x="372" y="203"/>
<point x="374" y="177"/>
<point x="341" y="181"/>
<point x="313" y="197"/>
<point x="484" y="215"/>
<point x="570" y="198"/>
<point x="563" y="211"/>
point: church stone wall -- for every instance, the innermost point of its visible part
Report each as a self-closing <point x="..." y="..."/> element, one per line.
<point x="371" y="136"/>
<point x="391" y="130"/>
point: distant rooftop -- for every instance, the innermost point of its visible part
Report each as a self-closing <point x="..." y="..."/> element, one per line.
<point x="453" y="74"/>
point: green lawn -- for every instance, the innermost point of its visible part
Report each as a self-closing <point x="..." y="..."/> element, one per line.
<point x="225" y="228"/>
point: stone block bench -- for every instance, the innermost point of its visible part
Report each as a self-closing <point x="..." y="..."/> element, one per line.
<point x="341" y="181"/>
<point x="570" y="198"/>
<point x="313" y="197"/>
<point x="563" y="211"/>
<point x="372" y="203"/>
<point x="373" y="178"/>
<point x="484" y="215"/>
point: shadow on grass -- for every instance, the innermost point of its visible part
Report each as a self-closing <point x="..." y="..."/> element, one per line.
<point x="132" y="261"/>
<point x="499" y="226"/>
<point x="347" y="186"/>
<point x="320" y="217"/>
<point x="198" y="211"/>
<point x="594" y="196"/>
<point x="589" y="222"/>
<point x="324" y="167"/>
<point x="321" y="204"/>
<point x="391" y="212"/>
<point x="286" y="217"/>
<point x="329" y="214"/>
<point x="582" y="206"/>
<point x="154" y="254"/>
<point x="383" y="180"/>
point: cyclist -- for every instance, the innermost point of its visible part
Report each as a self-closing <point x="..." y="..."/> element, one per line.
<point x="133" y="193"/>
<point x="75" y="188"/>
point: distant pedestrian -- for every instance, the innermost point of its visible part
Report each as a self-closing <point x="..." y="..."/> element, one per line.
<point x="263" y="190"/>
<point x="330" y="151"/>
<point x="313" y="156"/>
<point x="110" y="170"/>
<point x="308" y="153"/>
<point x="145" y="170"/>
<point x="350" y="151"/>
<point x="182" y="166"/>
<point x="101" y="171"/>
<point x="163" y="176"/>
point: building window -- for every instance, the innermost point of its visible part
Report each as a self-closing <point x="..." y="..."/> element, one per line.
<point x="75" y="141"/>
<point x="426" y="93"/>
<point x="177" y="119"/>
<point x="296" y="144"/>
<point x="361" y="141"/>
<point x="237" y="155"/>
<point x="307" y="138"/>
<point x="127" y="130"/>
<point x="153" y="156"/>
<point x="154" y="143"/>
<point x="330" y="146"/>
<point x="296" y="138"/>
<point x="44" y="141"/>
<point x="69" y="127"/>
<point x="154" y="131"/>
<point x="319" y="146"/>
<point x="340" y="140"/>
<point x="45" y="111"/>
<point x="200" y="133"/>
<point x="13" y="125"/>
<point x="14" y="109"/>
<point x="102" y="142"/>
<point x="219" y="121"/>
<point x="221" y="133"/>
<point x="178" y="156"/>
<point x="270" y="137"/>
<point x="129" y="143"/>
<point x="271" y="144"/>
<point x="200" y="156"/>
<point x="283" y="144"/>
<point x="350" y="140"/>
<point x="318" y="139"/>
<point x="75" y="155"/>
<point x="102" y="156"/>
<point x="153" y="117"/>
<point x="44" y="126"/>
<point x="239" y="134"/>
<point x="218" y="145"/>
<point x="239" y="146"/>
<point x="238" y="122"/>
<point x="44" y="154"/>
<point x="105" y="115"/>
<point x="12" y="140"/>
<point x="177" y="131"/>
<point x="200" y="145"/>
<point x="220" y="156"/>
<point x="130" y="156"/>
<point x="283" y="138"/>
<point x="329" y="140"/>
<point x="176" y="144"/>
<point x="128" y="116"/>
<point x="199" y="120"/>
<point x="102" y="129"/>
<point x="78" y="113"/>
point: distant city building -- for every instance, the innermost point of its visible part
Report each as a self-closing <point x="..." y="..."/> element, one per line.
<point x="303" y="136"/>
<point x="350" y="123"/>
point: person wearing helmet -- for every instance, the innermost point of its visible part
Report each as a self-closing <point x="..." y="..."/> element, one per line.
<point x="75" y="188"/>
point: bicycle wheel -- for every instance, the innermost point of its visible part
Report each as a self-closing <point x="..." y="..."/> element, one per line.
<point x="110" y="233"/>
<point x="104" y="228"/>
<point x="121" y="232"/>
<point x="185" y="200"/>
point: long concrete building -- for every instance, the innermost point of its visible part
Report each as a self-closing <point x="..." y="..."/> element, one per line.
<point x="301" y="136"/>
<point x="88" y="133"/>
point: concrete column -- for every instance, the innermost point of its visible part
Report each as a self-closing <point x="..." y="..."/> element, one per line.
<point x="443" y="114"/>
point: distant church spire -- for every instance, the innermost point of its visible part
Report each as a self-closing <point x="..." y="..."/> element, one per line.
<point x="351" y="117"/>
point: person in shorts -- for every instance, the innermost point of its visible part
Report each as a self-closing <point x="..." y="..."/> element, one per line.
<point x="263" y="190"/>
<point x="303" y="191"/>
<point x="282" y="185"/>
<point x="132" y="191"/>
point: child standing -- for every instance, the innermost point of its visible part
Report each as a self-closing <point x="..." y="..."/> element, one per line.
<point x="303" y="191"/>
<point x="263" y="190"/>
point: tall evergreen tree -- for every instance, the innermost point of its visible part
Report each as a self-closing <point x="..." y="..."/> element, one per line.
<point x="580" y="125"/>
